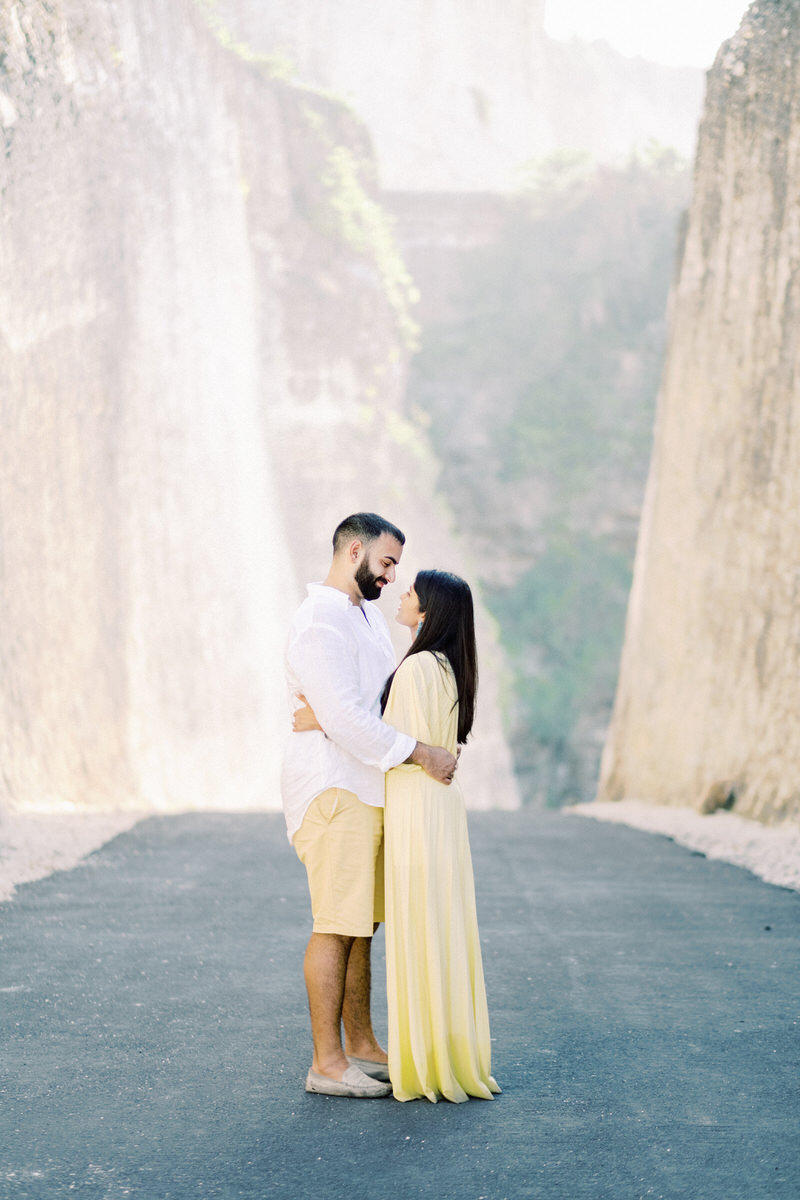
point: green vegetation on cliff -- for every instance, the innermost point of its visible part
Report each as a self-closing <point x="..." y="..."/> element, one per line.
<point x="366" y="227"/>
<point x="276" y="65"/>
<point x="540" y="385"/>
<point x="342" y="199"/>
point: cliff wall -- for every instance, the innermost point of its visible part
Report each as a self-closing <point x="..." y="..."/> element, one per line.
<point x="143" y="591"/>
<point x="458" y="97"/>
<point x="203" y="331"/>
<point x="708" y="704"/>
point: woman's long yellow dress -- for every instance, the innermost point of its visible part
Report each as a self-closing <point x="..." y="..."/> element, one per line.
<point x="439" y="1044"/>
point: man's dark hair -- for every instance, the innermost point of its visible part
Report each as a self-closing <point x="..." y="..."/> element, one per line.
<point x="365" y="526"/>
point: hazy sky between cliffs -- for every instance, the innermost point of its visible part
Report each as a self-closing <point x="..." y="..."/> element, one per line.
<point x="679" y="33"/>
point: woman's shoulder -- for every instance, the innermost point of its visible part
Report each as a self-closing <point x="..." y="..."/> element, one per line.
<point x="426" y="665"/>
<point x="423" y="660"/>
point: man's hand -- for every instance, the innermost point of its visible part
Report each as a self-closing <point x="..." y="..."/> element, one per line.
<point x="437" y="762"/>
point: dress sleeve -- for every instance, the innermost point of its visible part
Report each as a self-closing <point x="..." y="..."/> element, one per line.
<point x="412" y="706"/>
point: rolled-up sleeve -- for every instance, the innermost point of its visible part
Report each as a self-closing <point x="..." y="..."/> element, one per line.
<point x="323" y="662"/>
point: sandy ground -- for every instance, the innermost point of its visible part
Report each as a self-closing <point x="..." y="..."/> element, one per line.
<point x="35" y="844"/>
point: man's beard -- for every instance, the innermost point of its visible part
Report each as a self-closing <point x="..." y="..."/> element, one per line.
<point x="367" y="582"/>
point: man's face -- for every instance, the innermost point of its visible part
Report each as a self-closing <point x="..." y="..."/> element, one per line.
<point x="377" y="566"/>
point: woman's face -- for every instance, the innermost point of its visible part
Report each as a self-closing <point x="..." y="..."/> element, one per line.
<point x="408" y="610"/>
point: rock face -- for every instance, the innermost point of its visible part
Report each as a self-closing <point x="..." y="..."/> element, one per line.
<point x="708" y="706"/>
<point x="457" y="97"/>
<point x="202" y="324"/>
<point x="144" y="593"/>
<point x="544" y="331"/>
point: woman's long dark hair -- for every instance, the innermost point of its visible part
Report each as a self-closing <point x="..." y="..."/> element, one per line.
<point x="449" y="629"/>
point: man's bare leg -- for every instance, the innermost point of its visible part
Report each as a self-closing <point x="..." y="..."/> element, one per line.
<point x="360" y="1040"/>
<point x="325" y="970"/>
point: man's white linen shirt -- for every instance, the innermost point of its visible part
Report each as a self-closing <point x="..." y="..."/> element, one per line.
<point x="339" y="656"/>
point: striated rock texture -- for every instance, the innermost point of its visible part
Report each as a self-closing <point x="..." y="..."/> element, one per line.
<point x="459" y="96"/>
<point x="143" y="591"/>
<point x="708" y="705"/>
<point x="203" y="330"/>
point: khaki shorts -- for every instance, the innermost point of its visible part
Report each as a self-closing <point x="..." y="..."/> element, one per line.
<point x="340" y="843"/>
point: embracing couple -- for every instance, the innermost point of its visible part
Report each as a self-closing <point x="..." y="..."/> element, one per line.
<point x="371" y="739"/>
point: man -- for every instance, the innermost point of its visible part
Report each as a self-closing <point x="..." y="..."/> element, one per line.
<point x="338" y="657"/>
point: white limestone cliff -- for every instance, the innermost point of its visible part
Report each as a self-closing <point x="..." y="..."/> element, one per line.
<point x="201" y="359"/>
<point x="708" y="705"/>
<point x="459" y="97"/>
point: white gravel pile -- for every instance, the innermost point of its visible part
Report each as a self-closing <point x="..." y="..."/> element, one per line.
<point x="34" y="844"/>
<point x="770" y="851"/>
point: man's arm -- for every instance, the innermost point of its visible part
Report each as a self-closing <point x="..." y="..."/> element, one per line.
<point x="437" y="762"/>
<point x="321" y="658"/>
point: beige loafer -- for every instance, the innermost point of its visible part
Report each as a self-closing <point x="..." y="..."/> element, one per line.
<point x="375" y="1070"/>
<point x="353" y="1083"/>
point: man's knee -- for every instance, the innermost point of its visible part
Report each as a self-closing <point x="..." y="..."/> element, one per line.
<point x="345" y="940"/>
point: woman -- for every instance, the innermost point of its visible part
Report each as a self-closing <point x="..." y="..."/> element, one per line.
<point x="439" y="1043"/>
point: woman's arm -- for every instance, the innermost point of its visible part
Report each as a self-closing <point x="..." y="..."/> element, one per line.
<point x="304" y="719"/>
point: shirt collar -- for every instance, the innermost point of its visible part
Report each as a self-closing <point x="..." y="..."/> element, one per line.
<point x="333" y="595"/>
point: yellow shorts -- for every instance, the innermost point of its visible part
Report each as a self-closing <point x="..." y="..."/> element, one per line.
<point x="340" y="843"/>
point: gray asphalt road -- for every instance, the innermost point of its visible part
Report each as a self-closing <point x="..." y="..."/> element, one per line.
<point x="644" y="1010"/>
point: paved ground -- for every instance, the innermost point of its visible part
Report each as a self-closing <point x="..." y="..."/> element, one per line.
<point x="644" y="1010"/>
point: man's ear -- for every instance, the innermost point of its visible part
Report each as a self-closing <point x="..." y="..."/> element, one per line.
<point x="354" y="550"/>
